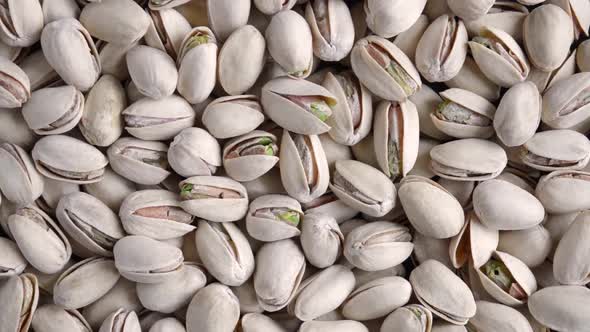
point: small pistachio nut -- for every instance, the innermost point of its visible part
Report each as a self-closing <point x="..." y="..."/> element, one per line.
<point x="564" y="191"/>
<point x="548" y="34"/>
<point x="532" y="245"/>
<point x="570" y="266"/>
<point x="516" y="128"/>
<point x="233" y="116"/>
<point x="227" y="16"/>
<point x="471" y="78"/>
<point x="564" y="103"/>
<point x="378" y="245"/>
<point x="389" y="18"/>
<point x="442" y="49"/>
<point x="126" y="23"/>
<point x="53" y="111"/>
<point x="272" y="7"/>
<point x="321" y="240"/>
<point x="248" y="157"/>
<point x="225" y="252"/>
<point x="474" y="244"/>
<point x="377" y="298"/>
<point x="19" y="181"/>
<point x="12" y="262"/>
<point x="561" y="308"/>
<point x="290" y="43"/>
<point x="20" y="295"/>
<point x="253" y="322"/>
<point x="143" y="162"/>
<point x="89" y="223"/>
<point x="283" y="259"/>
<point x="214" y="198"/>
<point x="396" y="136"/>
<point x="16" y="86"/>
<point x="158" y="119"/>
<point x="121" y="320"/>
<point x="492" y="316"/>
<point x="145" y="260"/>
<point x="554" y="150"/>
<point x="442" y="292"/>
<point x="164" y="4"/>
<point x="197" y="65"/>
<point x="507" y="16"/>
<point x="274" y="217"/>
<point x="332" y="28"/>
<point x="68" y="159"/>
<point x="39" y="239"/>
<point x="167" y="30"/>
<point x="470" y="10"/>
<point x="410" y="318"/>
<point x="52" y="317"/>
<point x="332" y="205"/>
<point x="194" y="152"/>
<point x="333" y="326"/>
<point x="153" y="71"/>
<point x="22" y="22"/>
<point x="384" y="69"/>
<point x="213" y="309"/>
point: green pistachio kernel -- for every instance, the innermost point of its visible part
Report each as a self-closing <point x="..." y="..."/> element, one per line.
<point x="498" y="273"/>
<point x="316" y="110"/>
<point x="292" y="217"/>
<point x="186" y="189"/>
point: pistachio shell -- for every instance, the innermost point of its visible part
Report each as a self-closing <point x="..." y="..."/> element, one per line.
<point x="194" y="152"/>
<point x="14" y="129"/>
<point x="51" y="317"/>
<point x="570" y="265"/>
<point x="332" y="205"/>
<point x="552" y="307"/>
<point x="271" y="7"/>
<point x="491" y="316"/>
<point x="197" y="66"/>
<point x="165" y="4"/>
<point x="425" y="101"/>
<point x="471" y="78"/>
<point x="167" y="30"/>
<point x="553" y="150"/>
<point x="412" y="318"/>
<point x="21" y="295"/>
<point x="507" y="16"/>
<point x="249" y="166"/>
<point x="253" y="322"/>
<point x="515" y="128"/>
<point x="408" y="40"/>
<point x="562" y="103"/>
<point x="127" y="22"/>
<point x="54" y="110"/>
<point x="377" y="298"/>
<point x="389" y="18"/>
<point x="169" y="324"/>
<point x="266" y="229"/>
<point x="470" y="9"/>
<point x="475" y="243"/>
<point x="232" y="116"/>
<point x="227" y="16"/>
<point x="152" y="70"/>
<point x="426" y="248"/>
<point x="321" y="240"/>
<point x="12" y="261"/>
<point x="23" y="22"/>
<point x="19" y="181"/>
<point x="531" y="245"/>
<point x="148" y="166"/>
<point x="564" y="191"/>
<point x="121" y="321"/>
<point x="123" y="295"/>
<point x="332" y="29"/>
<point x="16" y="86"/>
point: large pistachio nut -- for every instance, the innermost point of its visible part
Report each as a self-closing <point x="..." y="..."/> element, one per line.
<point x="332" y="205"/>
<point x="494" y="316"/>
<point x="377" y="298"/>
<point x="123" y="295"/>
<point x="145" y="260"/>
<point x="507" y="16"/>
<point x="559" y="149"/>
<point x="214" y="198"/>
<point x="126" y="22"/>
<point x="54" y="110"/>
<point x="20" y="295"/>
<point x="213" y="309"/>
<point x="111" y="190"/>
<point x="548" y="34"/>
<point x="469" y="159"/>
<point x="384" y="69"/>
<point x="228" y="16"/>
<point x="158" y="119"/>
<point x="532" y="246"/>
<point x="16" y="86"/>
<point x="254" y="322"/>
<point x="507" y="279"/>
<point x="516" y="128"/>
<point x="156" y="214"/>
<point x="167" y="30"/>
<point x="430" y="208"/>
<point x="280" y="266"/>
<point x="442" y="49"/>
<point x="197" y="65"/>
<point x="442" y="292"/>
<point x="271" y="7"/>
<point x="153" y="71"/>
<point x="564" y="104"/>
<point x="378" y="245"/>
<point x="248" y="157"/>
<point x="164" y="4"/>
<point x="175" y="293"/>
<point x="70" y="50"/>
<point x="51" y="317"/>
<point x="22" y="22"/>
<point x="333" y="326"/>
<point x="564" y="191"/>
<point x="12" y="261"/>
<point x="411" y="318"/>
<point x="19" y="181"/>
<point x="321" y="240"/>
<point x="121" y="321"/>
<point x="570" y="266"/>
<point x="194" y="152"/>
<point x="332" y="28"/>
<point x="475" y="243"/>
<point x="232" y="116"/>
<point x="143" y="162"/>
<point x="273" y="218"/>
<point x="89" y="223"/>
<point x="471" y="78"/>
<point x="85" y="282"/>
<point x="561" y="308"/>
<point x="39" y="239"/>
<point x="470" y="10"/>
<point x="389" y="18"/>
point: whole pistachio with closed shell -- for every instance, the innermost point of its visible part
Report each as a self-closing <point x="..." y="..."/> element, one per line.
<point x="564" y="191"/>
<point x="213" y="309"/>
<point x="227" y="16"/>
<point x="197" y="65"/>
<point x="532" y="246"/>
<point x="54" y="110"/>
<point x="332" y="28"/>
<point x="16" y="86"/>
<point x="335" y="325"/>
<point x="516" y="128"/>
<point x="194" y="152"/>
<point x="564" y="104"/>
<point x="121" y="321"/>
<point x="491" y="316"/>
<point x="143" y="162"/>
<point x="377" y="298"/>
<point x="411" y="318"/>
<point x="389" y="18"/>
<point x="12" y="261"/>
<point x="51" y="317"/>
<point x="321" y="240"/>
<point x="471" y="78"/>
<point x="550" y="306"/>
<point x="21" y="295"/>
<point x="232" y="116"/>
<point x="22" y="22"/>
<point x="470" y="10"/>
<point x="20" y="182"/>
<point x="167" y="30"/>
<point x="272" y="7"/>
<point x="554" y="150"/>
<point x="273" y="218"/>
<point x="165" y="4"/>
<point x="570" y="266"/>
<point x="250" y="156"/>
<point x="474" y="244"/>
<point x="152" y="70"/>
<point x="127" y="21"/>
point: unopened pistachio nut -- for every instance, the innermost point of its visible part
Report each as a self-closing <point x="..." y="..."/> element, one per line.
<point x="51" y="317"/>
<point x="16" y="86"/>
<point x="12" y="261"/>
<point x="194" y="152"/>
<point x="214" y="198"/>
<point x="273" y="218"/>
<point x="153" y="71"/>
<point x="558" y="149"/>
<point x="570" y="266"/>
<point x="227" y="16"/>
<point x="321" y="239"/>
<point x="121" y="321"/>
<point x="377" y="298"/>
<point x="471" y="78"/>
<point x="516" y="128"/>
<point x="332" y="28"/>
<point x="22" y="22"/>
<point x="564" y="103"/>
<point x="411" y="318"/>
<point x="470" y="10"/>
<point x="232" y="116"/>
<point x="54" y="110"/>
<point x="252" y="322"/>
<point x="213" y="309"/>
<point x="389" y="18"/>
<point x="333" y="326"/>
<point x="551" y="307"/>
<point x="126" y="23"/>
<point x="20" y="182"/>
<point x="475" y="243"/>
<point x="271" y="7"/>
<point x="143" y="162"/>
<point x="492" y="316"/>
<point x="197" y="65"/>
<point x="167" y="30"/>
<point x="564" y="191"/>
<point x="21" y="295"/>
<point x="250" y="156"/>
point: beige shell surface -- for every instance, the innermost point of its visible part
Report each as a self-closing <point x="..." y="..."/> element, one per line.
<point x="20" y="182"/>
<point x="389" y="18"/>
<point x="515" y="128"/>
<point x="127" y="21"/>
<point x="564" y="145"/>
<point x="551" y="307"/>
<point x="230" y="116"/>
<point x="560" y="96"/>
<point x="50" y="105"/>
<point x="167" y="30"/>
<point x="471" y="78"/>
<point x="341" y="30"/>
<point x="564" y="191"/>
<point x="569" y="264"/>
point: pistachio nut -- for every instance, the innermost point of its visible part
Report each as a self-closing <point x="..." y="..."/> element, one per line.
<point x="564" y="104"/>
<point x="214" y="198"/>
<point x="426" y="100"/>
<point x="19" y="181"/>
<point x="164" y="4"/>
<point x="332" y="205"/>
<point x="532" y="245"/>
<point x="121" y="321"/>
<point x="470" y="10"/>
<point x="442" y="292"/>
<point x="475" y="243"/>
<point x="552" y="307"/>
<point x="232" y="116"/>
<point x="411" y="318"/>
<point x="194" y="152"/>
<point x="280" y="266"/>
<point x="422" y="166"/>
<point x="333" y="326"/>
<point x="426" y="248"/>
<point x="507" y="16"/>
<point x="20" y="295"/>
<point x="378" y="245"/>
<point x="53" y="190"/>
<point x="12" y="261"/>
<point x="516" y="128"/>
<point x="169" y="324"/>
<point x="564" y="191"/>
<point x="227" y="16"/>
<point x="126" y="23"/>
<point x="111" y="190"/>
<point x="167" y="30"/>
<point x="273" y="218"/>
<point x="153" y="71"/>
<point x="442" y="49"/>
<point x="250" y="156"/>
<point x="113" y="59"/>
<point x="51" y="317"/>
<point x="377" y="298"/>
<point x="558" y="149"/>
<point x="123" y="295"/>
<point x="321" y="240"/>
<point x="39" y="72"/>
<point x="494" y="316"/>
<point x="57" y="9"/>
<point x="22" y="22"/>
<point x="247" y="297"/>
<point x="389" y="18"/>
<point x="213" y="309"/>
<point x="462" y="190"/>
<point x="272" y="7"/>
<point x="16" y="86"/>
<point x="430" y="208"/>
<point x="89" y="223"/>
<point x="570" y="266"/>
<point x="197" y="62"/>
<point x="143" y="162"/>
<point x="54" y="110"/>
<point x="471" y="78"/>
<point x="332" y="28"/>
<point x="579" y="15"/>
<point x="39" y="239"/>
<point x="469" y="159"/>
<point x="546" y="79"/>
<point x="384" y="69"/>
<point x="253" y="322"/>
<point x="14" y="129"/>
<point x="408" y="40"/>
<point x="70" y="50"/>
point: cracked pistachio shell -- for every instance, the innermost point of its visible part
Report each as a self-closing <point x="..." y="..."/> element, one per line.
<point x="243" y="165"/>
<point x="169" y="324"/>
<point x="437" y="60"/>
<point x="39" y="239"/>
<point x="167" y="31"/>
<point x="22" y="22"/>
<point x="444" y="293"/>
<point x="153" y="71"/>
<point x="570" y="263"/>
<point x="516" y="128"/>
<point x="20" y="295"/>
<point x="16" y="86"/>
<point x="389" y="18"/>
<point x="378" y="245"/>
<point x="564" y="191"/>
<point x="411" y="318"/>
<point x="321" y="240"/>
<point x="507" y="16"/>
<point x="241" y="59"/>
<point x="330" y="204"/>
<point x="126" y="23"/>
<point x="123" y="295"/>
<point x="213" y="309"/>
<point x="145" y="260"/>
<point x="554" y="150"/>
<point x="233" y="116"/>
<point x="502" y="205"/>
<point x="54" y="110"/>
<point x="563" y="103"/>
<point x="225" y="252"/>
<point x="113" y="59"/>
<point x="254" y="322"/>
<point x="498" y="317"/>
<point x="85" y="282"/>
<point x="396" y="124"/>
<point x="66" y="44"/>
<point x="19" y="181"/>
<point x="143" y="162"/>
<point x="430" y="208"/>
<point x="51" y="317"/>
<point x="375" y="77"/>
<point x="377" y="298"/>
<point x="332" y="28"/>
<point x="89" y="223"/>
<point x="470" y="10"/>
<point x="57" y="9"/>
<point x="333" y="326"/>
<point x="175" y="293"/>
<point x="227" y="16"/>
<point x="214" y="206"/>
<point x="426" y="248"/>
<point x="111" y="190"/>
<point x="561" y="308"/>
<point x="264" y="228"/>
<point x="197" y="68"/>
<point x="156" y="214"/>
<point x="14" y="129"/>
<point x="471" y="78"/>
<point x="280" y="266"/>
<point x="532" y="246"/>
<point x="194" y="152"/>
<point x="12" y="261"/>
<point x="272" y="7"/>
<point x="121" y="320"/>
<point x="322" y="292"/>
<point x="548" y="34"/>
<point x="475" y="243"/>
<point x="164" y="4"/>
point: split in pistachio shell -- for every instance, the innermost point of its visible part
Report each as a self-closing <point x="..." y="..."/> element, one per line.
<point x="250" y="156"/>
<point x="470" y="10"/>
<point x="15" y="86"/>
<point x="21" y="296"/>
<point x="321" y="240"/>
<point x="389" y="18"/>
<point x="167" y="30"/>
<point x="19" y="181"/>
<point x="556" y="150"/>
<point x="12" y="262"/>
<point x="475" y="243"/>
<point x="197" y="65"/>
<point x="411" y="318"/>
<point x="232" y="116"/>
<point x="54" y="110"/>
<point x="21" y="23"/>
<point x="165" y="4"/>
<point x="566" y="102"/>
<point x="143" y="162"/>
<point x="271" y="7"/>
<point x="194" y="152"/>
<point x="273" y="218"/>
<point x="332" y="28"/>
<point x="564" y="191"/>
<point x="121" y="320"/>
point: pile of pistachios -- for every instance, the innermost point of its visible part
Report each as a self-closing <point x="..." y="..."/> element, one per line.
<point x="294" y="166"/>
